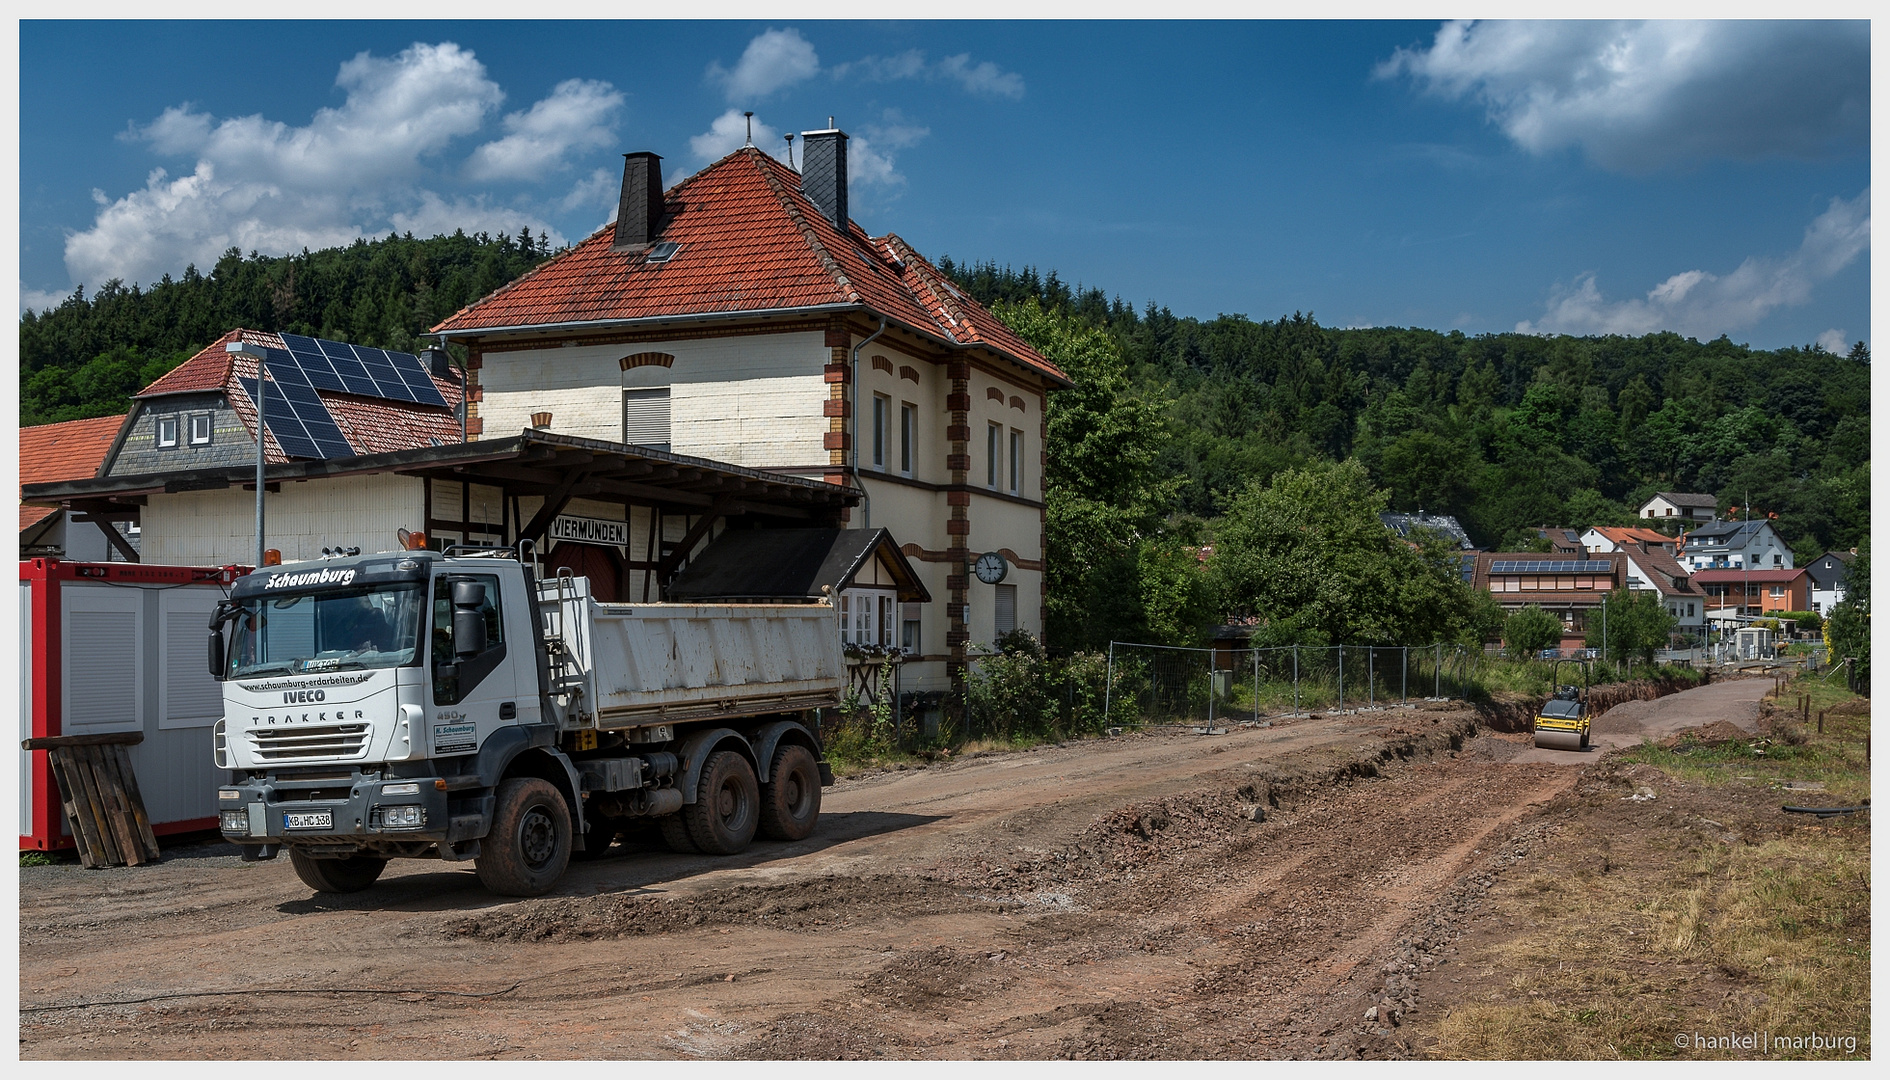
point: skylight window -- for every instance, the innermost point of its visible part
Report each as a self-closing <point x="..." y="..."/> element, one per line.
<point x="663" y="252"/>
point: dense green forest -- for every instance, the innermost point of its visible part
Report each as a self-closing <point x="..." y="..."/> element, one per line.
<point x="87" y="356"/>
<point x="1505" y="431"/>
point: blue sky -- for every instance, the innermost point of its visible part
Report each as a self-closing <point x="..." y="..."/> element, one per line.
<point x="1601" y="177"/>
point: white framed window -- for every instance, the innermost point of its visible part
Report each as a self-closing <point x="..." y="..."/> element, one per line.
<point x="1006" y="609"/>
<point x="886" y="603"/>
<point x="1017" y="462"/>
<point x="646" y="417"/>
<point x="200" y="429"/>
<point x="882" y="421"/>
<point x="908" y="436"/>
<point x="993" y="447"/>
<point x="167" y="431"/>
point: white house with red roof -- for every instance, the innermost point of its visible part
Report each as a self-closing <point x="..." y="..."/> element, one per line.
<point x="742" y="316"/>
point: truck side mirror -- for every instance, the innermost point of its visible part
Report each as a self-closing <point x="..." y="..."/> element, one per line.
<point x="469" y="631"/>
<point x="216" y="653"/>
<point x="469" y="594"/>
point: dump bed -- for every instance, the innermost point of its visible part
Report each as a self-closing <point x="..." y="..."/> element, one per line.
<point x="632" y="665"/>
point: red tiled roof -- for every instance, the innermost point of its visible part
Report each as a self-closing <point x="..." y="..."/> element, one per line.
<point x="1623" y="536"/>
<point x="750" y="241"/>
<point x="371" y="425"/>
<point x="1656" y="561"/>
<point x="70" y="451"/>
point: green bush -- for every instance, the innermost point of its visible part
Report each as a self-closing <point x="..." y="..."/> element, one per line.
<point x="1531" y="630"/>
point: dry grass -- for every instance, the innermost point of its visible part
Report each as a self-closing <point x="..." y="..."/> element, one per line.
<point x="1702" y="912"/>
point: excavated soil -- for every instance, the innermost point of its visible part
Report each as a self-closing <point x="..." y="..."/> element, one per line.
<point x="1164" y="895"/>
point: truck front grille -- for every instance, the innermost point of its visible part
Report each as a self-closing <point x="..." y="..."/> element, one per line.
<point x="309" y="743"/>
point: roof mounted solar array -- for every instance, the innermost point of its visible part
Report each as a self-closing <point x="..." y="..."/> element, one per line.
<point x="356" y="369"/>
<point x="300" y="422"/>
<point x="1571" y="567"/>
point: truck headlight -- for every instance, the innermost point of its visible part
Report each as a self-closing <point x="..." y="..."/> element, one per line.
<point x="401" y="817"/>
<point x="235" y="822"/>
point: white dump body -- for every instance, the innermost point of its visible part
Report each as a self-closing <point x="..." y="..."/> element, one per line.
<point x="633" y="665"/>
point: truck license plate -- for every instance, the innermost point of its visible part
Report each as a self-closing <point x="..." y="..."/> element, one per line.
<point x="308" y="819"/>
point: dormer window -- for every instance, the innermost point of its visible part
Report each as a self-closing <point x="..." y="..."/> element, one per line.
<point x="167" y="431"/>
<point x="200" y="429"/>
<point x="663" y="252"/>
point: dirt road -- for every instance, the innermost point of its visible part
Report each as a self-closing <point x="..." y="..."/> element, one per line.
<point x="1162" y="895"/>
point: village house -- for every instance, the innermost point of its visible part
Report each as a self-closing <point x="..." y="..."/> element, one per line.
<point x="1605" y="538"/>
<point x="1754" y="592"/>
<point x="1652" y="568"/>
<point x="742" y="316"/>
<point x="1736" y="545"/>
<point x="1830" y="573"/>
<point x="1571" y="589"/>
<point x="1680" y="507"/>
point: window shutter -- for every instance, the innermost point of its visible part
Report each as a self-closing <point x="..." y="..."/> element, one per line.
<point x="646" y="417"/>
<point x="1006" y="608"/>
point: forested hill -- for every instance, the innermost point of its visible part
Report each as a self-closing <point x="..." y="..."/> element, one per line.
<point x="87" y="356"/>
<point x="1505" y="431"/>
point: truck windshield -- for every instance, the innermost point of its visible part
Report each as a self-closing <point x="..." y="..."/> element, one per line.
<point x="330" y="630"/>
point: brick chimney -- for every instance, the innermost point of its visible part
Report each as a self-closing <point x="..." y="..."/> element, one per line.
<point x="640" y="206"/>
<point x="824" y="172"/>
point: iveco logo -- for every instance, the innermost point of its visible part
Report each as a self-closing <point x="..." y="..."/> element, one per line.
<point x="294" y="697"/>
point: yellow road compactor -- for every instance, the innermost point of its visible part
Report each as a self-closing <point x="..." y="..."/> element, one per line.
<point x="1562" y="722"/>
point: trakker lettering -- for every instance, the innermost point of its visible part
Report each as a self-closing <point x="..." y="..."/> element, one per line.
<point x="310" y="577"/>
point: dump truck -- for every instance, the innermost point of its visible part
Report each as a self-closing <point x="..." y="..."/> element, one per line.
<point x="455" y="705"/>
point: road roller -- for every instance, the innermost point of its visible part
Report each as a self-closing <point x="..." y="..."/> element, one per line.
<point x="1562" y="722"/>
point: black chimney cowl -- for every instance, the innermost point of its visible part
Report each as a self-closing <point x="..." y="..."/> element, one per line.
<point x="640" y="206"/>
<point x="824" y="173"/>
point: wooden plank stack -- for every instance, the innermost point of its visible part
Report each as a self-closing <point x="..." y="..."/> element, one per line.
<point x="104" y="811"/>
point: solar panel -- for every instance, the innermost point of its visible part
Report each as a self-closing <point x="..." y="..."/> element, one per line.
<point x="362" y="370"/>
<point x="300" y="422"/>
<point x="1552" y="567"/>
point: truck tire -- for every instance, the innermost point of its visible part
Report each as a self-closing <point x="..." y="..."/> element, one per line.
<point x="790" y="806"/>
<point x="530" y="842"/>
<point x="675" y="833"/>
<point x="351" y="874"/>
<point x="727" y="809"/>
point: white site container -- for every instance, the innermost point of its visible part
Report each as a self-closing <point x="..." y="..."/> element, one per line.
<point x="633" y="665"/>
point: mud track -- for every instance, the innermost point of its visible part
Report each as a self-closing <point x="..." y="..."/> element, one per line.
<point x="1164" y="895"/>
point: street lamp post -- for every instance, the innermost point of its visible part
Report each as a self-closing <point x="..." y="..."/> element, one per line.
<point x="258" y="354"/>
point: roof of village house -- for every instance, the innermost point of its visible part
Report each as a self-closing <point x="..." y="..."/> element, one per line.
<point x="1687" y="498"/>
<point x="372" y="425"/>
<point x="1484" y="561"/>
<point x="1654" y="560"/>
<point x="1622" y="536"/>
<point x="1445" y="525"/>
<point x="69" y="451"/>
<point x="791" y="565"/>
<point x="1726" y="534"/>
<point x="750" y="241"/>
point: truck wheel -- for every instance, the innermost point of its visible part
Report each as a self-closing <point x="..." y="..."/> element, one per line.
<point x="351" y="874"/>
<point x="676" y="834"/>
<point x="790" y="806"/>
<point x="727" y="808"/>
<point x="530" y="842"/>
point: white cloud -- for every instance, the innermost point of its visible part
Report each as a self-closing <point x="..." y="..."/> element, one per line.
<point x="595" y="190"/>
<point x="580" y="114"/>
<point x="1704" y="305"/>
<point x="982" y="77"/>
<point x="263" y="185"/>
<point x="41" y="299"/>
<point x="1638" y="96"/>
<point x="774" y="59"/>
<point x="729" y="133"/>
<point x="1834" y="342"/>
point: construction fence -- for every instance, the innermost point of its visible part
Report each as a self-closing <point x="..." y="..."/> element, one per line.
<point x="1161" y="684"/>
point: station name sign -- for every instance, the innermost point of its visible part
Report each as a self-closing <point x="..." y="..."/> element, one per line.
<point x="583" y="530"/>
